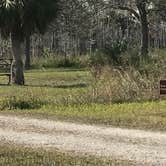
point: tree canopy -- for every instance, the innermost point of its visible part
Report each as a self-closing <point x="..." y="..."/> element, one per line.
<point x="23" y="17"/>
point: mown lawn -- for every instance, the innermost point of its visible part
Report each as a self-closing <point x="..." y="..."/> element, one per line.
<point x="63" y="94"/>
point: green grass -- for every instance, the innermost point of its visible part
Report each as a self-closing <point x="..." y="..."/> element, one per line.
<point x="64" y="94"/>
<point x="12" y="155"/>
<point x="148" y="116"/>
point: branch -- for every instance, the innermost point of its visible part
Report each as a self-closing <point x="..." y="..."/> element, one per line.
<point x="131" y="11"/>
<point x="128" y="9"/>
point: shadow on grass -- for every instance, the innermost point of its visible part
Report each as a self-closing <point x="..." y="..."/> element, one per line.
<point x="5" y="85"/>
<point x="71" y="69"/>
<point x="81" y="85"/>
<point x="60" y="69"/>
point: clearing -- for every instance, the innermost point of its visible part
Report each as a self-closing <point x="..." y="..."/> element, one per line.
<point x="76" y="126"/>
<point x="65" y="94"/>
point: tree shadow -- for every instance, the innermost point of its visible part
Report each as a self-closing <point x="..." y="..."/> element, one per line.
<point x="59" y="69"/>
<point x="5" y="85"/>
<point x="72" y="86"/>
<point x="81" y="85"/>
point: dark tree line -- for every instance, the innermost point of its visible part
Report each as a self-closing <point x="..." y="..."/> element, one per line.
<point x="83" y="26"/>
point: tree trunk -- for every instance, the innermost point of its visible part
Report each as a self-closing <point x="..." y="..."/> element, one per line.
<point x="145" y="28"/>
<point x="27" y="53"/>
<point x="18" y="67"/>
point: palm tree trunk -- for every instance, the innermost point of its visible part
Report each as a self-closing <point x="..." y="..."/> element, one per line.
<point x="18" y="67"/>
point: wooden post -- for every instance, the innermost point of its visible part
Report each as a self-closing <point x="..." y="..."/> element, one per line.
<point x="163" y="89"/>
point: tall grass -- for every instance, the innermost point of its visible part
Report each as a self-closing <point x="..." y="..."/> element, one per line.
<point x="119" y="85"/>
<point x="130" y="81"/>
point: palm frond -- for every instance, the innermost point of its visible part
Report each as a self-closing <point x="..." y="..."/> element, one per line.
<point x="7" y="3"/>
<point x="24" y="17"/>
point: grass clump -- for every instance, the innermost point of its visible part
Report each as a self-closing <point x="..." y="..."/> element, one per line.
<point x="22" y="102"/>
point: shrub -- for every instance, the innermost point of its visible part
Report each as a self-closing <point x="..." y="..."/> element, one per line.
<point x="96" y="61"/>
<point x="114" y="50"/>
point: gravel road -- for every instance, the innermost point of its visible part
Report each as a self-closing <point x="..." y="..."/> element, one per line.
<point x="139" y="146"/>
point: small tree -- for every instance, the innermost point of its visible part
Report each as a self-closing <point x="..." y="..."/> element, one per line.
<point x="21" y="18"/>
<point x="139" y="9"/>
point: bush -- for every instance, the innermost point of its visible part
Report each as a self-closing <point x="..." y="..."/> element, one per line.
<point x="114" y="50"/>
<point x="96" y="61"/>
<point x="130" y="58"/>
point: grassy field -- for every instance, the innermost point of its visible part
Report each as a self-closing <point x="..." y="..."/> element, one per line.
<point x="64" y="94"/>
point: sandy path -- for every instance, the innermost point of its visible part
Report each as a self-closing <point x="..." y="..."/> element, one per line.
<point x="134" y="145"/>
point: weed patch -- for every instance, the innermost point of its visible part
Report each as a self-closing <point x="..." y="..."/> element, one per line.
<point x="14" y="102"/>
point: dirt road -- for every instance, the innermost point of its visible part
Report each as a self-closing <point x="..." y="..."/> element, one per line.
<point x="134" y="145"/>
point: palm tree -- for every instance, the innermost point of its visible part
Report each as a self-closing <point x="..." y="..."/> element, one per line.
<point x="21" y="18"/>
